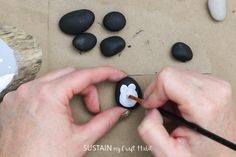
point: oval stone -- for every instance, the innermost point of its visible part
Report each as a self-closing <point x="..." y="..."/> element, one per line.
<point x="85" y="42"/>
<point x="182" y="52"/>
<point x="217" y="9"/>
<point x="112" y="46"/>
<point x="76" y="22"/>
<point x="125" y="87"/>
<point x="114" y="21"/>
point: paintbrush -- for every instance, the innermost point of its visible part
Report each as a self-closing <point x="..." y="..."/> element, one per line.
<point x="190" y="125"/>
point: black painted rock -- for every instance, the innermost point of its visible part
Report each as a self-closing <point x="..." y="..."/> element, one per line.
<point x="182" y="52"/>
<point x="112" y="46"/>
<point x="85" y="42"/>
<point x="114" y="21"/>
<point x="125" y="87"/>
<point x="76" y="22"/>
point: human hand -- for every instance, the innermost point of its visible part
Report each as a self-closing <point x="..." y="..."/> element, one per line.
<point x="198" y="98"/>
<point x="36" y="120"/>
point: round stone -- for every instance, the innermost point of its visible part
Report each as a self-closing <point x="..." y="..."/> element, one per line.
<point x="182" y="52"/>
<point x="76" y="22"/>
<point x="125" y="87"/>
<point x="112" y="46"/>
<point x="114" y="21"/>
<point x="85" y="42"/>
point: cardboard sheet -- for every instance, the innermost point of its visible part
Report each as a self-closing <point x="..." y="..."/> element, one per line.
<point x="150" y="31"/>
<point x="162" y="22"/>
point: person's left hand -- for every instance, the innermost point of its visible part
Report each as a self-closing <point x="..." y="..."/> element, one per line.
<point x="36" y="120"/>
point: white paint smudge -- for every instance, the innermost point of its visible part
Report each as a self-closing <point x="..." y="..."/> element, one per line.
<point x="125" y="91"/>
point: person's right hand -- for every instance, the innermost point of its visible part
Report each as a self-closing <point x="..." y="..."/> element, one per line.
<point x="201" y="99"/>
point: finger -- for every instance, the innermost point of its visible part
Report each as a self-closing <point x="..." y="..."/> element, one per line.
<point x="77" y="81"/>
<point x="150" y="88"/>
<point x="56" y="74"/>
<point x="182" y="131"/>
<point x="156" y="98"/>
<point x="8" y="99"/>
<point x="101" y="124"/>
<point x="90" y="97"/>
<point x="154" y="134"/>
<point x="178" y="86"/>
<point x="185" y="137"/>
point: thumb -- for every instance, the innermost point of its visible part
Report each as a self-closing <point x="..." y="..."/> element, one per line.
<point x="154" y="133"/>
<point x="102" y="123"/>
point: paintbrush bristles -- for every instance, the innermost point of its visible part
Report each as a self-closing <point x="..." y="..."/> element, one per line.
<point x="138" y="100"/>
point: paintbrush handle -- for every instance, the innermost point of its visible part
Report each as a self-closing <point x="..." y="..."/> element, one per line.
<point x="197" y="128"/>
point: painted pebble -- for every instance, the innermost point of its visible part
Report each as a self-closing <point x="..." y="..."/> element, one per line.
<point x="217" y="9"/>
<point x="114" y="21"/>
<point x="112" y="46"/>
<point x="182" y="52"/>
<point x="125" y="87"/>
<point x="76" y="22"/>
<point x="85" y="42"/>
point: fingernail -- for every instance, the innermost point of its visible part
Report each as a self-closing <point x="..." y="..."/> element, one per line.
<point x="125" y="114"/>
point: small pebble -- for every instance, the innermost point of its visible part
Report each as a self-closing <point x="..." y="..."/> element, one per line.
<point x="182" y="52"/>
<point x="125" y="87"/>
<point x="114" y="21"/>
<point x="85" y="42"/>
<point x="217" y="9"/>
<point x="76" y="22"/>
<point x="112" y="46"/>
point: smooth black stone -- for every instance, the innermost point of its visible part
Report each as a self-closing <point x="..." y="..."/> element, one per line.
<point x="114" y="21"/>
<point x="112" y="46"/>
<point x="85" y="42"/>
<point x="182" y="52"/>
<point x="76" y="22"/>
<point x="127" y="81"/>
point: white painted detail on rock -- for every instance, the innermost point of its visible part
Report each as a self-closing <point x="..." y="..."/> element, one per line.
<point x="125" y="91"/>
<point x="217" y="9"/>
<point x="8" y="67"/>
